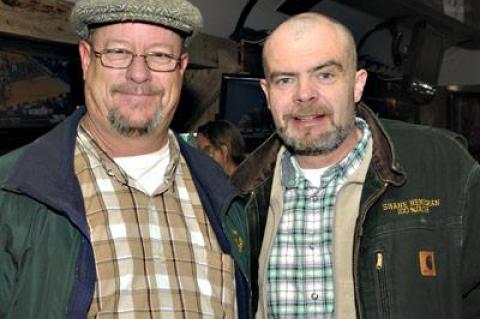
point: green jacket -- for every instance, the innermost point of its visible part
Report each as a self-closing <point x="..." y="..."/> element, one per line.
<point x="47" y="268"/>
<point x="419" y="211"/>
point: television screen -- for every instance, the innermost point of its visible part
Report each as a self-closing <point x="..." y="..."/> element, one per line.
<point x="243" y="103"/>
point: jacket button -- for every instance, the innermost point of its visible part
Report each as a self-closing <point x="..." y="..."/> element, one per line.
<point x="314" y="296"/>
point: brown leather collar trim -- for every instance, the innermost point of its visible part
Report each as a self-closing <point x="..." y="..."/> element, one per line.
<point x="383" y="157"/>
<point x="258" y="166"/>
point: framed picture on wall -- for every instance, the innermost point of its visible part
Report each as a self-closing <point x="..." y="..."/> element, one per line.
<point x="36" y="81"/>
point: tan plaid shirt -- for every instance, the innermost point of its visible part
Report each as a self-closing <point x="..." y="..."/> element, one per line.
<point x="156" y="256"/>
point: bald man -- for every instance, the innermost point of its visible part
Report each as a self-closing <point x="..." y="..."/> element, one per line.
<point x="350" y="216"/>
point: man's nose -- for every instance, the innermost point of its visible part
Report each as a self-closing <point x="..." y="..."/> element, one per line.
<point x="306" y="91"/>
<point x="138" y="70"/>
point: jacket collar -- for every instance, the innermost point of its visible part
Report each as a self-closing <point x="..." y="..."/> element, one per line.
<point x="259" y="166"/>
<point x="210" y="179"/>
<point x="384" y="158"/>
<point x="45" y="171"/>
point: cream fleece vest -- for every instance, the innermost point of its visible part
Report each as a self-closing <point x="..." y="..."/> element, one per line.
<point x="346" y="213"/>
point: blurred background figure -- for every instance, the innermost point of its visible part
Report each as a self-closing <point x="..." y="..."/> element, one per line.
<point x="223" y="142"/>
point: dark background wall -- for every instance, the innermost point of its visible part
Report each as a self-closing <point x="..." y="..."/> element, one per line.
<point x="460" y="66"/>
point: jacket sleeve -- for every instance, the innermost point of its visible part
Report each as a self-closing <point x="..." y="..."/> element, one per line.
<point x="471" y="247"/>
<point x="14" y="234"/>
<point x="7" y="269"/>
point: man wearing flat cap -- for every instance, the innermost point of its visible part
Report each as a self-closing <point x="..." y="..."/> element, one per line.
<point x="110" y="215"/>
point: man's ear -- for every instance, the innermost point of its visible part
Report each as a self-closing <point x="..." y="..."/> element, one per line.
<point x="184" y="57"/>
<point x="264" y="86"/>
<point x="85" y="56"/>
<point x="360" y="81"/>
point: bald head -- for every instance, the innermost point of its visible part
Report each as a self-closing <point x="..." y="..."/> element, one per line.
<point x="310" y="26"/>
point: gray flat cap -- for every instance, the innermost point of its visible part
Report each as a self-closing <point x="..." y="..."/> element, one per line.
<point x="179" y="15"/>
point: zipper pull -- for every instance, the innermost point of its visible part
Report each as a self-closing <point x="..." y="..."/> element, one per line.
<point x="379" y="264"/>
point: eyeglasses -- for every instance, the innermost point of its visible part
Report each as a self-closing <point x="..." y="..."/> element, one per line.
<point x="123" y="58"/>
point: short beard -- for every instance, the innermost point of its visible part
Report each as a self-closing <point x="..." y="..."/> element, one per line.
<point x="124" y="128"/>
<point x="324" y="144"/>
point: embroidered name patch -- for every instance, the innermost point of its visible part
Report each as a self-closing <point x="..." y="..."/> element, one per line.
<point x="412" y="206"/>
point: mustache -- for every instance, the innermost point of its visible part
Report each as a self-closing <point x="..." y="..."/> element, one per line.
<point x="138" y="89"/>
<point x="318" y="110"/>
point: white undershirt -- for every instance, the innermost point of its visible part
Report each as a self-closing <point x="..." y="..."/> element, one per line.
<point x="313" y="175"/>
<point x="147" y="170"/>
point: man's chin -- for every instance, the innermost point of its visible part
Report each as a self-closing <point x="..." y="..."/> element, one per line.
<point x="135" y="131"/>
<point x="134" y="128"/>
<point x="321" y="145"/>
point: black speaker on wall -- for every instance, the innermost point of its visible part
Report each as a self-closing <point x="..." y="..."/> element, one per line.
<point x="423" y="62"/>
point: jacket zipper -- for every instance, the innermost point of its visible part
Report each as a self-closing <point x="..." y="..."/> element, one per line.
<point x="382" y="285"/>
<point x="356" y="250"/>
<point x="251" y="200"/>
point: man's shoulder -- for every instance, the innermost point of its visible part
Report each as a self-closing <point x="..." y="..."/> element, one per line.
<point x="414" y="134"/>
<point x="8" y="161"/>
<point x="435" y="147"/>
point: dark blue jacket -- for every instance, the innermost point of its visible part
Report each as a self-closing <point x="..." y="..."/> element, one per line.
<point x="47" y="267"/>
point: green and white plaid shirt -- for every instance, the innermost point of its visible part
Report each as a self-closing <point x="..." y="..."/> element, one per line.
<point x="300" y="272"/>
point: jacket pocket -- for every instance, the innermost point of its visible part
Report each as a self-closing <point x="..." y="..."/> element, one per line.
<point x="410" y="269"/>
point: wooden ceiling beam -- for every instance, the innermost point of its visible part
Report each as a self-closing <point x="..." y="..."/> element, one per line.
<point x="46" y="20"/>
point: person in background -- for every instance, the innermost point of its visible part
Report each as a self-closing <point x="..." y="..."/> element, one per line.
<point x="351" y="216"/>
<point x="222" y="141"/>
<point x="110" y="215"/>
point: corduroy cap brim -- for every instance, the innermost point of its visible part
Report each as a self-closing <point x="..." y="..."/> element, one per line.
<point x="179" y="15"/>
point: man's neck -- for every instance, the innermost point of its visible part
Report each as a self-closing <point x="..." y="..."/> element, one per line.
<point x="320" y="161"/>
<point x="117" y="145"/>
